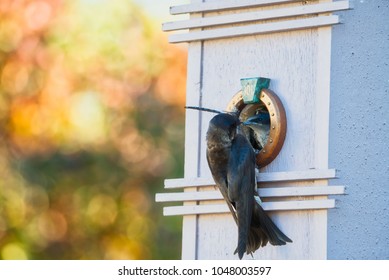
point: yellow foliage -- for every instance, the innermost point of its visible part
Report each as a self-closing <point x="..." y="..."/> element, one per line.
<point x="91" y="119"/>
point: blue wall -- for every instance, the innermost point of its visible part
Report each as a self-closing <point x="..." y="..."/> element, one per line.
<point x="359" y="132"/>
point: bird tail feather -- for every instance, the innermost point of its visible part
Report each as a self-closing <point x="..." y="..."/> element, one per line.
<point x="244" y="211"/>
<point x="263" y="231"/>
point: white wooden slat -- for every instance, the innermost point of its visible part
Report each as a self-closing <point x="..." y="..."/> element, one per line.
<point x="310" y="174"/>
<point x="188" y="196"/>
<point x="301" y="191"/>
<point x="254" y="29"/>
<point x="255" y="16"/>
<point x="264" y="192"/>
<point x="322" y="102"/>
<point x="268" y="206"/>
<point x="192" y="141"/>
<point x="188" y="182"/>
<point x="223" y="5"/>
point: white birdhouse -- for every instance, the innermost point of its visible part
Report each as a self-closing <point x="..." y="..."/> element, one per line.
<point x="289" y="42"/>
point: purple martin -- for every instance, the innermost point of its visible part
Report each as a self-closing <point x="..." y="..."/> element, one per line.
<point x="231" y="159"/>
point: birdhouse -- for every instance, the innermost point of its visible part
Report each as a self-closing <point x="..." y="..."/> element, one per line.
<point x="231" y="46"/>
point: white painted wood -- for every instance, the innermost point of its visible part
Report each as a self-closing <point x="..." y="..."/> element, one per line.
<point x="290" y="60"/>
<point x="258" y="15"/>
<point x="192" y="141"/>
<point x="188" y="196"/>
<point x="263" y="192"/>
<point x="301" y="191"/>
<point x="268" y="206"/>
<point x="188" y="182"/>
<point x="297" y="63"/>
<point x="225" y="62"/>
<point x="254" y="29"/>
<point x="322" y="107"/>
<point x="310" y="174"/>
<point x="223" y="5"/>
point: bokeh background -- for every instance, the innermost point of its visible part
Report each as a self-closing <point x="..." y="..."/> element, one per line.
<point x="91" y="122"/>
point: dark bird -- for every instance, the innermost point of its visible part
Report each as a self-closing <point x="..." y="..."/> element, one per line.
<point x="231" y="160"/>
<point x="258" y="127"/>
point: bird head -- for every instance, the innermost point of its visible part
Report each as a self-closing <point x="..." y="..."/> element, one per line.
<point x="222" y="127"/>
<point x="260" y="127"/>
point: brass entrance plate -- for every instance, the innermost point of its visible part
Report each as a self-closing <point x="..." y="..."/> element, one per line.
<point x="275" y="131"/>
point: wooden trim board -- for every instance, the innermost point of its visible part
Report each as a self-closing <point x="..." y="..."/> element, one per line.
<point x="305" y="175"/>
<point x="254" y="29"/>
<point x="267" y="206"/>
<point x="256" y="16"/>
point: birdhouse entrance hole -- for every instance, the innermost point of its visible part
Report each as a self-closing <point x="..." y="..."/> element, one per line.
<point x="267" y="135"/>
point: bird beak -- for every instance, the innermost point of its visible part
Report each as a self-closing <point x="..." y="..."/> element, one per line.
<point x="256" y="120"/>
<point x="248" y="123"/>
<point x="260" y="130"/>
<point x="252" y="121"/>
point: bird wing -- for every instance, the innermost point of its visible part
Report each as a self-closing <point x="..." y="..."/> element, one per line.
<point x="241" y="169"/>
<point x="220" y="178"/>
<point x="241" y="186"/>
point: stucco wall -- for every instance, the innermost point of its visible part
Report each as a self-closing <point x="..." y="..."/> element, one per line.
<point x="359" y="132"/>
